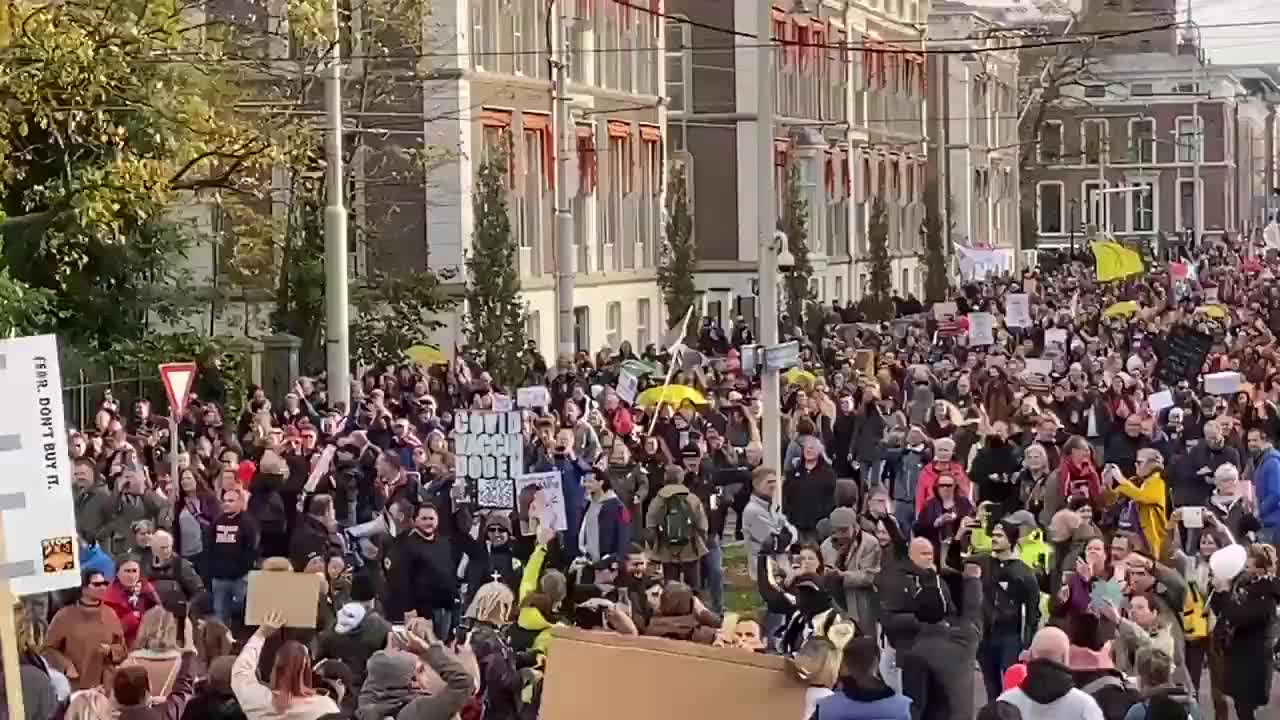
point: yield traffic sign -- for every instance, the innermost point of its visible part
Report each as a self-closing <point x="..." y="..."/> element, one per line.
<point x="178" y="380"/>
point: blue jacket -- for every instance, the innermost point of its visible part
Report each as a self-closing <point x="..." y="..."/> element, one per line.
<point x="864" y="704"/>
<point x="1266" y="485"/>
<point x="575" y="498"/>
<point x="93" y="557"/>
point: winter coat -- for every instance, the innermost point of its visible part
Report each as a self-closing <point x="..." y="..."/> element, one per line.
<point x="929" y="475"/>
<point x="1153" y="510"/>
<point x="929" y="666"/>
<point x="39" y="698"/>
<point x="255" y="698"/>
<point x="697" y="546"/>
<point x="898" y="584"/>
<point x="809" y="494"/>
<point x="855" y="702"/>
<point x="422" y="576"/>
<point x="354" y="646"/>
<point x="72" y="644"/>
<point x="995" y="470"/>
<point x="392" y="696"/>
<point x="759" y="522"/>
<point x="1266" y="485"/>
<point x="130" y="613"/>
<point x="858" y="565"/>
<point x="1011" y="599"/>
<point x="94" y="507"/>
<point x="1246" y="631"/>
<point x="1173" y="693"/>
<point x="608" y="517"/>
<point x="176" y="577"/>
<point x="311" y="537"/>
<point x="1192" y="487"/>
<point x="1048" y="693"/>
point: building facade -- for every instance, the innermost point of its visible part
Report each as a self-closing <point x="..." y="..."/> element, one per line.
<point x="848" y="116"/>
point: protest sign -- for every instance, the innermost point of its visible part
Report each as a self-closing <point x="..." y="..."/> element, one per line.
<point x="490" y="454"/>
<point x="1158" y="401"/>
<point x="1181" y="353"/>
<point x="293" y="594"/>
<point x="540" y="502"/>
<point x="627" y="386"/>
<point x="1017" y="310"/>
<point x="533" y="397"/>
<point x="1056" y="336"/>
<point x="982" y="328"/>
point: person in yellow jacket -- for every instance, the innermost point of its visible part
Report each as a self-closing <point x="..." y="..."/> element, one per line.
<point x="539" y="596"/>
<point x="1148" y="514"/>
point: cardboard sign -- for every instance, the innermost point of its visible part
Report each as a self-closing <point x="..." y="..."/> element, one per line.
<point x="540" y="502"/>
<point x="490" y="454"/>
<point x="763" y="686"/>
<point x="627" y="387"/>
<point x="1181" y="354"/>
<point x="982" y="328"/>
<point x="533" y="397"/>
<point x="865" y="360"/>
<point x="1017" y="310"/>
<point x="1159" y="401"/>
<point x="295" y="595"/>
<point x="39" y="506"/>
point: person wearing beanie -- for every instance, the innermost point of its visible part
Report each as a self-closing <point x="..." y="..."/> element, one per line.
<point x="943" y="645"/>
<point x="1011" y="606"/>
<point x="358" y="633"/>
<point x="853" y="554"/>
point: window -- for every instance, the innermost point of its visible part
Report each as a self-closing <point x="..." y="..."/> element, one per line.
<point x="1187" y="88"/>
<point x="906" y="282"/>
<point x="582" y="328"/>
<point x="614" y="225"/>
<point x="1095" y="91"/>
<point x="613" y="324"/>
<point x="1141" y="89"/>
<point x="530" y="206"/>
<point x="1050" y="146"/>
<point x="533" y="326"/>
<point x="1188" y="204"/>
<point x="1187" y="130"/>
<point x="1049" y="208"/>
<point x="642" y="324"/>
<point x="1095" y="204"/>
<point x="838" y="292"/>
<point x="679" y="78"/>
<point x="1093" y="141"/>
<point x="1142" y="141"/>
<point x="484" y="33"/>
<point x="1142" y="217"/>
<point x="649" y="200"/>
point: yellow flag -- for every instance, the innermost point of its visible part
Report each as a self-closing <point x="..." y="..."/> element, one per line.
<point x="1115" y="261"/>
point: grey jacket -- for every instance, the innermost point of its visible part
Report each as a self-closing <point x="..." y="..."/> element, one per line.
<point x="404" y="704"/>
<point x="759" y="523"/>
<point x="858" y="571"/>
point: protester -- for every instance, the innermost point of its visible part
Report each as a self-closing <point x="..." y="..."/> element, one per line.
<point x="942" y="645"/>
<point x="1048" y="693"/>
<point x="86" y="639"/>
<point x="290" y="694"/>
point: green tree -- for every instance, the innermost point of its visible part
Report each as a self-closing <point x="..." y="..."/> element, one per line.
<point x="495" y="316"/>
<point x="878" y="306"/>
<point x="394" y="312"/>
<point x="937" y="256"/>
<point x="679" y="255"/>
<point x="795" y="223"/>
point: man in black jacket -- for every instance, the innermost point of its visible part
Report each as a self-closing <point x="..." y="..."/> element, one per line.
<point x="422" y="575"/>
<point x="1011" y="608"/>
<point x="315" y="534"/>
<point x="232" y="548"/>
<point x="1193" y="473"/>
<point x="809" y="494"/>
<point x="936" y="671"/>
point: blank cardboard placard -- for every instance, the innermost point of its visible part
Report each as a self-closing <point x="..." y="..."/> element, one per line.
<point x="295" y="595"/>
<point x="696" y="681"/>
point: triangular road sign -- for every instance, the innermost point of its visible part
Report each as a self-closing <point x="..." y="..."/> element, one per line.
<point x="178" y="379"/>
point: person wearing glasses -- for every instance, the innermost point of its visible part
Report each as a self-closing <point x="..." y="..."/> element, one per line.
<point x="85" y="640"/>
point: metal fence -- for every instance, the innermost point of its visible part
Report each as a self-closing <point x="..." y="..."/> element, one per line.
<point x="83" y="394"/>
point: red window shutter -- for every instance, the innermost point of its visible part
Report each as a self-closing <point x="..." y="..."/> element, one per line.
<point x="587" y="168"/>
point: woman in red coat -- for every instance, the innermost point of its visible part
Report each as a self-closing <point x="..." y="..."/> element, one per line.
<point x="130" y="596"/>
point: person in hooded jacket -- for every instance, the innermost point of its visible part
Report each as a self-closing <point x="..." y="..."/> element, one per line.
<point x="494" y="553"/>
<point x="358" y="633"/>
<point x="1048" y="692"/>
<point x="809" y="492"/>
<point x="861" y="694"/>
<point x="943" y="645"/>
<point x="605" y="528"/>
<point x="1246" y="615"/>
<point x="396" y="686"/>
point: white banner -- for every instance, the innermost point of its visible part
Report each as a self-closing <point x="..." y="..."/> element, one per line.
<point x="1017" y="310"/>
<point x="41" y="532"/>
<point x="490" y="454"/>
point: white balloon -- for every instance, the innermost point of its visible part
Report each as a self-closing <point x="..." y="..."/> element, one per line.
<point x="1228" y="562"/>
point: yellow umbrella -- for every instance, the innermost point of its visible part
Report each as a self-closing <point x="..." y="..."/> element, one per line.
<point x="670" y="394"/>
<point x="426" y="355"/>
<point x="1128" y="307"/>
<point x="1213" y="311"/>
<point x="797" y="376"/>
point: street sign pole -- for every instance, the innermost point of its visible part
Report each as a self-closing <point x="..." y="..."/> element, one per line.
<point x="178" y="379"/>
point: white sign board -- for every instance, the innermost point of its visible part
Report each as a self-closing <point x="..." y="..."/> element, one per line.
<point x="982" y="328"/>
<point x="41" y="533"/>
<point x="1056" y="336"/>
<point x="540" y="502"/>
<point x="1160" y="400"/>
<point x="1017" y="310"/>
<point x="627" y="387"/>
<point x="533" y="397"/>
<point x="490" y="454"/>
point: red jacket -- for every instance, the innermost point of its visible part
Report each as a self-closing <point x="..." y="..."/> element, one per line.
<point x="1072" y="476"/>
<point x="130" y="613"/>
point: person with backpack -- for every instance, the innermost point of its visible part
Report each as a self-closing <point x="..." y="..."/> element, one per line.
<point x="1161" y="698"/>
<point x="678" y="524"/>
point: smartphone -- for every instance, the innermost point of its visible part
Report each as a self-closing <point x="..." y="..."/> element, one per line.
<point x="413" y="476"/>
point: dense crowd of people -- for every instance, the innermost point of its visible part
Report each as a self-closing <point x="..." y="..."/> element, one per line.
<point x="1067" y="505"/>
